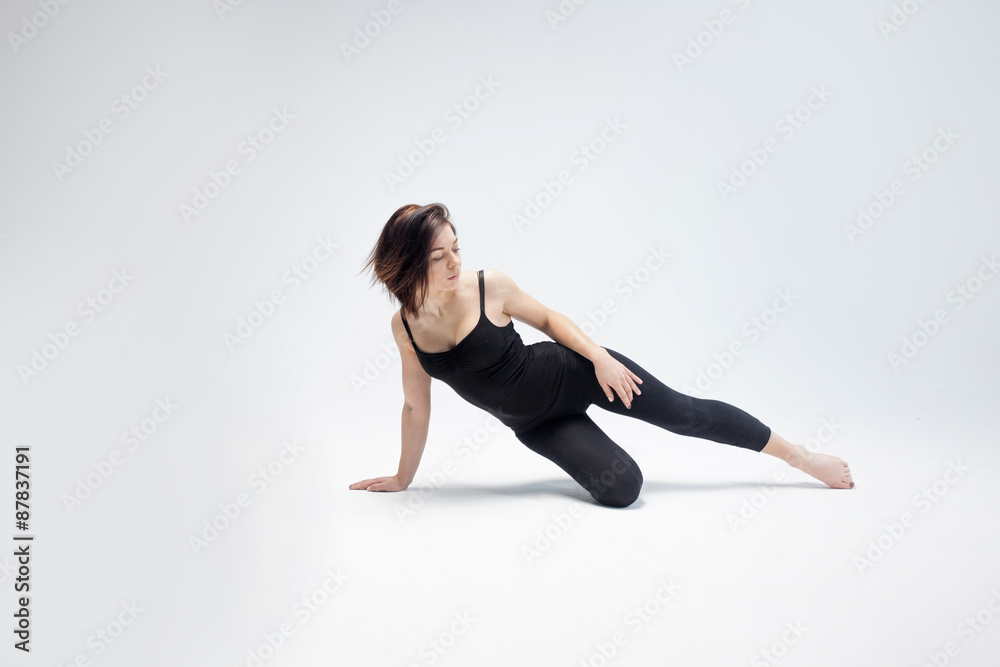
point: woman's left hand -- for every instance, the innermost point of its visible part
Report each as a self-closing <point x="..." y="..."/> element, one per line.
<point x="613" y="375"/>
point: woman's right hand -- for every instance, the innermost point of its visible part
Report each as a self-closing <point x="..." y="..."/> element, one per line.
<point x="379" y="484"/>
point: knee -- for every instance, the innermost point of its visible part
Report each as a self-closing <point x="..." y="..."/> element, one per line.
<point x="618" y="489"/>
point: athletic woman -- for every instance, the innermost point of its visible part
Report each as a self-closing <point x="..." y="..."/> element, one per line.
<point x="457" y="326"/>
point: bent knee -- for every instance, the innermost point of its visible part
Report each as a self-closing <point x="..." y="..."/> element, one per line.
<point x="622" y="491"/>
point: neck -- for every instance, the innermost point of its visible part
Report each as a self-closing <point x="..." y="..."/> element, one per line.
<point x="439" y="301"/>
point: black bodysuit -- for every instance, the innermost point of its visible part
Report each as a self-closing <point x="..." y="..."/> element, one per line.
<point x="542" y="392"/>
<point x="493" y="369"/>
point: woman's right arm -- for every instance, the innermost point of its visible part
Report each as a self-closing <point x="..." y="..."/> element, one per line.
<point x="415" y="417"/>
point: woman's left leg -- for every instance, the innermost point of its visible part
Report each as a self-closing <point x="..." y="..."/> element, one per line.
<point x="713" y="420"/>
<point x="679" y="413"/>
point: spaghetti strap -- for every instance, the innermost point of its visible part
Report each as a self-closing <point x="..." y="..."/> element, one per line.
<point x="482" y="293"/>
<point x="407" y="329"/>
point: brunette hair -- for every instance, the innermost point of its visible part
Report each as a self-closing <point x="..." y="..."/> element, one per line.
<point x="401" y="256"/>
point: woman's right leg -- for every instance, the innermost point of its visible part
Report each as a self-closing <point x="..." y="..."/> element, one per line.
<point x="579" y="446"/>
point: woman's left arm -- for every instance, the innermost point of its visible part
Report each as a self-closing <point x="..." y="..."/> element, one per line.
<point x="611" y="373"/>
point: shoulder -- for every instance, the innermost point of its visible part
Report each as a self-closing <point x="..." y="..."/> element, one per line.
<point x="516" y="302"/>
<point x="396" y="323"/>
<point x="498" y="280"/>
<point x="399" y="331"/>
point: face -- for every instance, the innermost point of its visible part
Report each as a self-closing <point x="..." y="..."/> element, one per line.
<point x="445" y="261"/>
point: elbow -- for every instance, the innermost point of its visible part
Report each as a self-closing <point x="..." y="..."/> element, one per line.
<point x="546" y="328"/>
<point x="557" y="325"/>
<point x="417" y="408"/>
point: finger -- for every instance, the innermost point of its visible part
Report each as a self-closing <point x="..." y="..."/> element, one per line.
<point x="635" y="380"/>
<point x="625" y="372"/>
<point x="629" y="375"/>
<point x="629" y="387"/>
<point x="362" y="484"/>
<point x="608" y="392"/>
<point x="626" y="398"/>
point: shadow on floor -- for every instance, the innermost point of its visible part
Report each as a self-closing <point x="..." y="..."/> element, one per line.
<point x="570" y="489"/>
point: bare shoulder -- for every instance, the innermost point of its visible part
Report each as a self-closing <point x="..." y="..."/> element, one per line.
<point x="500" y="282"/>
<point x="516" y="302"/>
<point x="398" y="330"/>
<point x="416" y="381"/>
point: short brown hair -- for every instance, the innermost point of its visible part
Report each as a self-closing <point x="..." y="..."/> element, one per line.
<point x="401" y="256"/>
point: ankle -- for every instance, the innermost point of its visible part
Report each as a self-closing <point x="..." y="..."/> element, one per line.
<point x="793" y="455"/>
<point x="797" y="456"/>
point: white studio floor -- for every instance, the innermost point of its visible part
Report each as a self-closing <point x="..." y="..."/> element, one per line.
<point x="495" y="557"/>
<point x="507" y="561"/>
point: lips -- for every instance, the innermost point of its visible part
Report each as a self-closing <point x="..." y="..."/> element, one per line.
<point x="453" y="277"/>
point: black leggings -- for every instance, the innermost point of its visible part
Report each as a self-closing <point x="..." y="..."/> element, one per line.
<point x="576" y="444"/>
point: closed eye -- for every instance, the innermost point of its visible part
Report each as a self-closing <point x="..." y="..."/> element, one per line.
<point x="442" y="256"/>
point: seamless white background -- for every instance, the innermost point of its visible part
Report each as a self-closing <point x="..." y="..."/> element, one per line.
<point x="117" y="300"/>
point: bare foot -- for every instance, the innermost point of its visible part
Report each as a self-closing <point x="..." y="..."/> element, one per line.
<point x="828" y="469"/>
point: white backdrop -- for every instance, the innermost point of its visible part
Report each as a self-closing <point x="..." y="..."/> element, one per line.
<point x="787" y="206"/>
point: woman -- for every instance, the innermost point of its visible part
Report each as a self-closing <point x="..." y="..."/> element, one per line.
<point x="458" y="327"/>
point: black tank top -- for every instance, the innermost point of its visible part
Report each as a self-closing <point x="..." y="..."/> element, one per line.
<point x="494" y="370"/>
